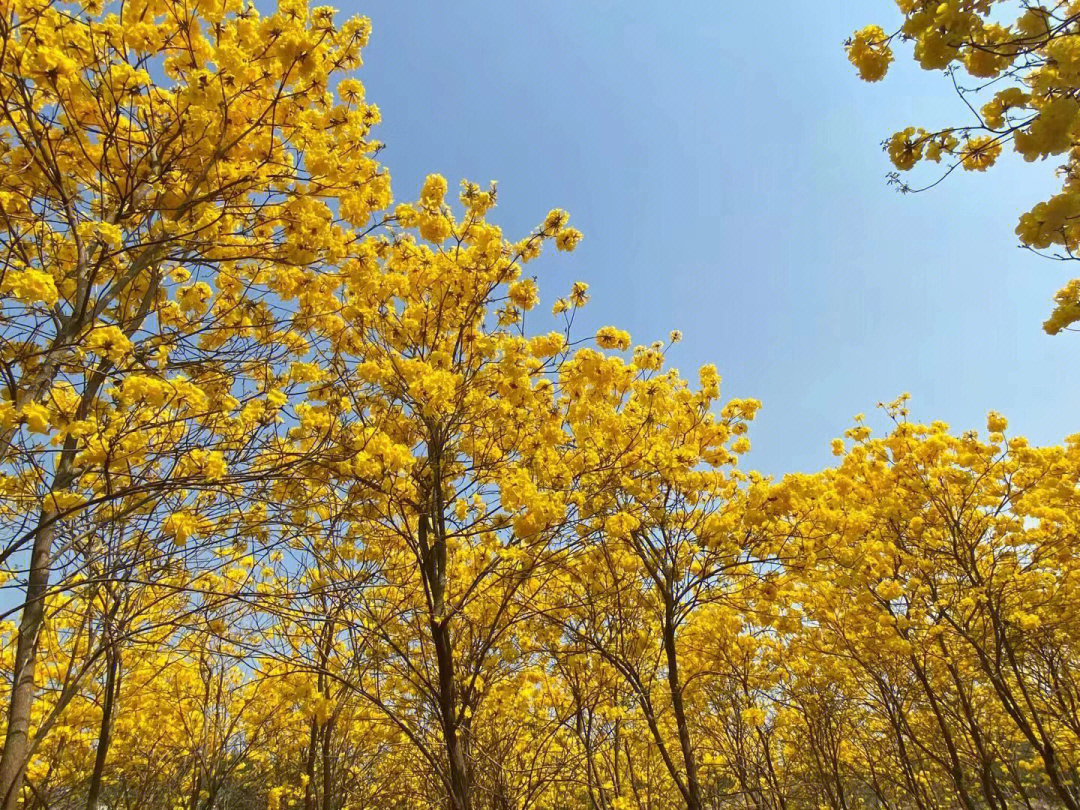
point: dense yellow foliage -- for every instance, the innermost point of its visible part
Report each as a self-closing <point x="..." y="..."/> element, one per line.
<point x="1016" y="66"/>
<point x="297" y="511"/>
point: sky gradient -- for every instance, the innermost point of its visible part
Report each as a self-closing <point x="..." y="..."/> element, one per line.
<point x="725" y="167"/>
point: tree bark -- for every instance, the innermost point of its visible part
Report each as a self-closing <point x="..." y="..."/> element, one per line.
<point x="105" y="732"/>
<point x="693" y="786"/>
<point x="444" y="655"/>
<point x="17" y="739"/>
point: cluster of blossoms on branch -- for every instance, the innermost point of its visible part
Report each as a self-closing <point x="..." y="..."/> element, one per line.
<point x="1016" y="66"/>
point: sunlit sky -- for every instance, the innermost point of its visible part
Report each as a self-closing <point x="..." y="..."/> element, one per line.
<point x="724" y="163"/>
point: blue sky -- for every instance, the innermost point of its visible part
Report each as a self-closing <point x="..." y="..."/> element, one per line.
<point x="726" y="169"/>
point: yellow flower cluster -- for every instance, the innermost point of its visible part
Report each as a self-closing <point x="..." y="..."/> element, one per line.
<point x="1027" y="59"/>
<point x="868" y="50"/>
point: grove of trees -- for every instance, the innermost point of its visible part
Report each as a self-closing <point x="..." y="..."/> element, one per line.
<point x="298" y="510"/>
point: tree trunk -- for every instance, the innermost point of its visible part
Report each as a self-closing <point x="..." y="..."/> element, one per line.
<point x="16" y="751"/>
<point x="693" y="786"/>
<point x="459" y="785"/>
<point x="105" y="732"/>
<point x="327" y="766"/>
<point x="444" y="653"/>
<point x="309" y="767"/>
<point x="17" y="740"/>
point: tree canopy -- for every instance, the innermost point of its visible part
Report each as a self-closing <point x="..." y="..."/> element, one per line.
<point x="300" y="509"/>
<point x="1015" y="65"/>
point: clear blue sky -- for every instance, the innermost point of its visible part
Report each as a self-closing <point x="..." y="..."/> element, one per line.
<point x="725" y="167"/>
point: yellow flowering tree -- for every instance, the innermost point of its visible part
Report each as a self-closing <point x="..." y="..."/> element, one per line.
<point x="940" y="614"/>
<point x="1016" y="67"/>
<point x="663" y="548"/>
<point x="161" y="245"/>
<point x="437" y="520"/>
